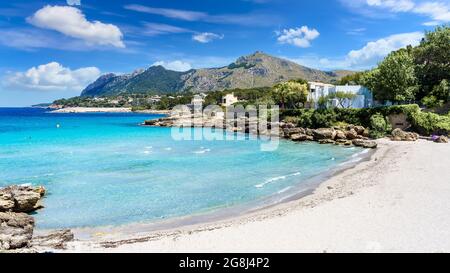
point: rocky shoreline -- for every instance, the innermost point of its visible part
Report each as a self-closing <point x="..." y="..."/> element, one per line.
<point x="348" y="136"/>
<point x="16" y="226"/>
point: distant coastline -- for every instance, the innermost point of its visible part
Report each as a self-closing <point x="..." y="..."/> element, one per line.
<point x="106" y="110"/>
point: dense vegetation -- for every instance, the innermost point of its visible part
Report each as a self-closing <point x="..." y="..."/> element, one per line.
<point x="373" y="118"/>
<point x="419" y="74"/>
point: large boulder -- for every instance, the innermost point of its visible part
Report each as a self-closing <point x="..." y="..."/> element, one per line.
<point x="359" y="129"/>
<point x="299" y="137"/>
<point x="23" y="198"/>
<point x="309" y="132"/>
<point x="6" y="201"/>
<point x="441" y="139"/>
<point x="340" y="135"/>
<point x="343" y="142"/>
<point x="284" y="125"/>
<point x="291" y="131"/>
<point x="400" y="135"/>
<point x="368" y="144"/>
<point x="324" y="133"/>
<point x="351" y="134"/>
<point x="16" y="230"/>
<point x="326" y="141"/>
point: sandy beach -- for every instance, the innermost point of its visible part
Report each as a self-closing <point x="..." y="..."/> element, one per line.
<point x="396" y="201"/>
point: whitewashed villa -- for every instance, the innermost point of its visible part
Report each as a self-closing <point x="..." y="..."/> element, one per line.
<point x="363" y="99"/>
<point x="229" y="100"/>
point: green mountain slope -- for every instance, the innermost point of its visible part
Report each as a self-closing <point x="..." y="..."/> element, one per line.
<point x="255" y="70"/>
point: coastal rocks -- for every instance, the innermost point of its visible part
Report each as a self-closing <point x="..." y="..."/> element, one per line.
<point x="21" y="198"/>
<point x="368" y="144"/>
<point x="287" y="125"/>
<point x="326" y="141"/>
<point x="16" y="227"/>
<point x="351" y="134"/>
<point x="400" y="135"/>
<point x="441" y="139"/>
<point x="301" y="137"/>
<point x="291" y="131"/>
<point x="340" y="135"/>
<point x="343" y="142"/>
<point x="56" y="240"/>
<point x="359" y="130"/>
<point x="16" y="230"/>
<point x="324" y="133"/>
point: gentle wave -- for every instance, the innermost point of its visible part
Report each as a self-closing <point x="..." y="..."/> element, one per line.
<point x="202" y="151"/>
<point x="274" y="179"/>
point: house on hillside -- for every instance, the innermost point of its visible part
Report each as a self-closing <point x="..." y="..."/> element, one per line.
<point x="229" y="100"/>
<point x="363" y="98"/>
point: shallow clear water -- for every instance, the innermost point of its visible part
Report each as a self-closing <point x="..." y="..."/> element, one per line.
<point x="104" y="169"/>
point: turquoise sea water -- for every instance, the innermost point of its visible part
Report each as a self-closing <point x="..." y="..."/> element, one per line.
<point x="105" y="169"/>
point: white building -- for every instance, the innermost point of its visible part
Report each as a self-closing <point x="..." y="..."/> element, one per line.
<point x="318" y="89"/>
<point x="197" y="100"/>
<point x="363" y="99"/>
<point x="229" y="100"/>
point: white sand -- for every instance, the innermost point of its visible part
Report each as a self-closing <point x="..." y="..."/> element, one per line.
<point x="397" y="201"/>
<point x="92" y="110"/>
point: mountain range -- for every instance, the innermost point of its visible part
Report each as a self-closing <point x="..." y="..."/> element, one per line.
<point x="255" y="70"/>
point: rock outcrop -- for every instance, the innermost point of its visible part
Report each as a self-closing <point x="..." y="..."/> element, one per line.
<point x="400" y="135"/>
<point x="16" y="227"/>
<point x="21" y="198"/>
<point x="368" y="144"/>
<point x="441" y="139"/>
<point x="324" y="133"/>
<point x="16" y="230"/>
<point x="56" y="240"/>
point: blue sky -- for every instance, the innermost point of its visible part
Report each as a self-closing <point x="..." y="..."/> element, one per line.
<point x="53" y="49"/>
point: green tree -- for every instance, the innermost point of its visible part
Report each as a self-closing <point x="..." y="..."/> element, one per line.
<point x="291" y="93"/>
<point x="432" y="60"/>
<point x="352" y="79"/>
<point x="394" y="79"/>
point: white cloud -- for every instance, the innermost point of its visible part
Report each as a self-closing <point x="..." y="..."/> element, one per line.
<point x="393" y="5"/>
<point x="171" y="13"/>
<point x="254" y="19"/>
<point x="365" y="57"/>
<point x="300" y="37"/>
<point x="356" y="31"/>
<point x="72" y="22"/>
<point x="74" y="2"/>
<point x="206" y="37"/>
<point x="438" y="11"/>
<point x="174" y="65"/>
<point x="154" y="29"/>
<point x="53" y="77"/>
<point x="375" y="51"/>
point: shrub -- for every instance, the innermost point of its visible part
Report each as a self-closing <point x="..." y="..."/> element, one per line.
<point x="305" y="120"/>
<point x="379" y="126"/>
<point x="430" y="123"/>
<point x="291" y="119"/>
<point x="431" y="101"/>
<point x="323" y="118"/>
